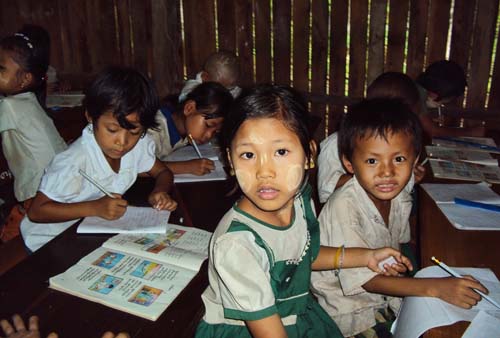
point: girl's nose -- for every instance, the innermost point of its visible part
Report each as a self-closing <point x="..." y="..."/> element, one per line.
<point x="265" y="168"/>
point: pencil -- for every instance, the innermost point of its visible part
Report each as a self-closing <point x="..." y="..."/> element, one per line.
<point x="193" y="142"/>
<point x="95" y="183"/>
<point x="425" y="161"/>
<point x="456" y="274"/>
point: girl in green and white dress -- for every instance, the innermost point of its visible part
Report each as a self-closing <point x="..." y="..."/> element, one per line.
<point x="264" y="248"/>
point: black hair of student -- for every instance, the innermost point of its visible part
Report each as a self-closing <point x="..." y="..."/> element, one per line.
<point x="445" y="78"/>
<point x="394" y="85"/>
<point x="30" y="49"/>
<point x="123" y="91"/>
<point x="269" y="101"/>
<point x="378" y="117"/>
<point x="212" y="98"/>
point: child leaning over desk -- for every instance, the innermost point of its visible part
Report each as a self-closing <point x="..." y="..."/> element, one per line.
<point x="379" y="143"/>
<point x="200" y="115"/>
<point x="120" y="106"/>
<point x="264" y="248"/>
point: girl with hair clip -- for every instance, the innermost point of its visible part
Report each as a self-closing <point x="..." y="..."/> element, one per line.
<point x="200" y="116"/>
<point x="29" y="137"/>
<point x="264" y="248"/>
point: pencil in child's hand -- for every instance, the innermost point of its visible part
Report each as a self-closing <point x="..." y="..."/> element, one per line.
<point x="95" y="183"/>
<point x="425" y="161"/>
<point x="195" y="145"/>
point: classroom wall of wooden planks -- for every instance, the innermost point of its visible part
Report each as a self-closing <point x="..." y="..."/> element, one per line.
<point x="321" y="47"/>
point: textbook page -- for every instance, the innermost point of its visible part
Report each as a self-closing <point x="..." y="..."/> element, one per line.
<point x="133" y="284"/>
<point x="446" y="193"/>
<point x="183" y="246"/>
<point x="188" y="152"/>
<point x="467" y="218"/>
<point x="450" y="154"/>
<point x="465" y="171"/>
<point x="218" y="174"/>
<point x="135" y="220"/>
<point x="419" y="314"/>
<point x="487" y="141"/>
<point x="483" y="325"/>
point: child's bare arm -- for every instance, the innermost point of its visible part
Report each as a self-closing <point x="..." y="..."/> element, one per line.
<point x="434" y="130"/>
<point x="269" y="327"/>
<point x="197" y="167"/>
<point x="45" y="210"/>
<point x="159" y="197"/>
<point x="456" y="291"/>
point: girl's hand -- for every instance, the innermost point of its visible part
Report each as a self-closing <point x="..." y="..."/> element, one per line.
<point x="200" y="166"/>
<point x="419" y="172"/>
<point x="375" y="256"/>
<point x="112" y="335"/>
<point x="19" y="329"/>
<point x="160" y="200"/>
<point x="111" y="208"/>
<point x="457" y="291"/>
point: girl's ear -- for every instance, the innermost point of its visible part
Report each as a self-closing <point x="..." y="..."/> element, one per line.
<point x="87" y="116"/>
<point x="228" y="153"/>
<point x="26" y="80"/>
<point x="313" y="147"/>
<point x="347" y="165"/>
<point x="189" y="108"/>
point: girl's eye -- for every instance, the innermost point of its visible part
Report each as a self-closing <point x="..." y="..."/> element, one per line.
<point x="400" y="159"/>
<point x="371" y="161"/>
<point x="247" y="155"/>
<point x="282" y="152"/>
<point x="135" y="132"/>
<point x="112" y="130"/>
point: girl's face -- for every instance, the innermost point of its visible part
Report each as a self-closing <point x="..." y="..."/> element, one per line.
<point x="269" y="163"/>
<point x="114" y="140"/>
<point x="201" y="129"/>
<point x="11" y="74"/>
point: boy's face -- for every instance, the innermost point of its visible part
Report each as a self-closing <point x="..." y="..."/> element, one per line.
<point x="382" y="167"/>
<point x="201" y="129"/>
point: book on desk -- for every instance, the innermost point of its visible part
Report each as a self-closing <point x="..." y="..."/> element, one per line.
<point x="138" y="273"/>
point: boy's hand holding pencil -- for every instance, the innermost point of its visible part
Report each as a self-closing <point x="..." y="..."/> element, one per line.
<point x="160" y="200"/>
<point x="111" y="208"/>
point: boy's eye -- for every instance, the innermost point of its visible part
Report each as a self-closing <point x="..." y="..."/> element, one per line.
<point x="247" y="155"/>
<point x="371" y="161"/>
<point x="281" y="152"/>
<point x="135" y="132"/>
<point x="400" y="159"/>
<point x="112" y="130"/>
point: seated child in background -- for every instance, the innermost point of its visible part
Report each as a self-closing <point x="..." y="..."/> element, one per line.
<point x="29" y="137"/>
<point x="442" y="83"/>
<point x="379" y="143"/>
<point x="200" y="115"/>
<point x="221" y="67"/>
<point x="120" y="106"/>
<point x="331" y="173"/>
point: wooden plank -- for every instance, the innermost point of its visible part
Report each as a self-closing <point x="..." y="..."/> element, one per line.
<point x="398" y="16"/>
<point x="357" y="48"/>
<point x="376" y="40"/>
<point x="494" y="99"/>
<point x="262" y="41"/>
<point x="73" y="38"/>
<point x="437" y="31"/>
<point x="243" y="15"/>
<point x="484" y="30"/>
<point x="301" y="10"/>
<point x="416" y="39"/>
<point x="141" y="36"/>
<point x="123" y="35"/>
<point x="226" y="25"/>
<point x="199" y="33"/>
<point x="281" y="59"/>
<point x="9" y="16"/>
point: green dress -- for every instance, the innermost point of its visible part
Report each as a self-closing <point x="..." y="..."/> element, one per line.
<point x="289" y="279"/>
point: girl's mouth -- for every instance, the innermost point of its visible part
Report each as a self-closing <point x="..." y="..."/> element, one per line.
<point x="267" y="193"/>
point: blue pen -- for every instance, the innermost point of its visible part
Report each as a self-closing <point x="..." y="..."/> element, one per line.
<point x="479" y="205"/>
<point x="469" y="143"/>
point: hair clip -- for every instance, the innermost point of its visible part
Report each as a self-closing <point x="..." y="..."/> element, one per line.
<point x="28" y="41"/>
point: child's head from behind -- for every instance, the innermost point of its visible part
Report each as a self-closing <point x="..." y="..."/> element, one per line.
<point x="395" y="85"/>
<point x="269" y="145"/>
<point x="444" y="81"/>
<point x="223" y="67"/>
<point x="379" y="143"/>
<point x="204" y="110"/>
<point x="24" y="58"/>
<point x="121" y="103"/>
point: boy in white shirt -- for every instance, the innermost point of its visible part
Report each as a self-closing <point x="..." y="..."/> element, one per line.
<point x="379" y="143"/>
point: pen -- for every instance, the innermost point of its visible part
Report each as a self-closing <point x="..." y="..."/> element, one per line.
<point x="425" y="161"/>
<point x="195" y="145"/>
<point x="479" y="205"/>
<point x="94" y="182"/>
<point x="456" y="274"/>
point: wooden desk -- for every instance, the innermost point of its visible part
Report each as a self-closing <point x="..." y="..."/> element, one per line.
<point x="24" y="288"/>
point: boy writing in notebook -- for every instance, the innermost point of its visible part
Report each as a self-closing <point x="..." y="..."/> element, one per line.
<point x="379" y="143"/>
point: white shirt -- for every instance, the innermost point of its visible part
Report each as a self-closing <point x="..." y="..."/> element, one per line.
<point x="350" y="218"/>
<point x="191" y="84"/>
<point x="29" y="141"/>
<point x="161" y="138"/>
<point x="63" y="183"/>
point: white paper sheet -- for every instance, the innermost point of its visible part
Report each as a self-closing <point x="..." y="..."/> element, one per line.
<point x="483" y="325"/>
<point x="445" y="193"/>
<point x="188" y="153"/>
<point x="218" y="174"/>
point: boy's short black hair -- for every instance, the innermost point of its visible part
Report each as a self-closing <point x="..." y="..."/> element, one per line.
<point x="378" y="117"/>
<point x="211" y="97"/>
<point x="444" y="78"/>
<point x="123" y="91"/>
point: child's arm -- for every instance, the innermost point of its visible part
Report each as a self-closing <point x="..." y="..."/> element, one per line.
<point x="434" y="130"/>
<point x="456" y="291"/>
<point x="197" y="167"/>
<point x="159" y="197"/>
<point x="269" y="327"/>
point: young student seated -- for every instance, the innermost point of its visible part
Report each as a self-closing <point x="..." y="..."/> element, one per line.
<point x="331" y="173"/>
<point x="29" y="138"/>
<point x="440" y="84"/>
<point x="120" y="106"/>
<point x="222" y="67"/>
<point x="200" y="115"/>
<point x="379" y="143"/>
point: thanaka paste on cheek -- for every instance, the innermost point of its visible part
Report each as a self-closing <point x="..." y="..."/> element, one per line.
<point x="294" y="176"/>
<point x="243" y="178"/>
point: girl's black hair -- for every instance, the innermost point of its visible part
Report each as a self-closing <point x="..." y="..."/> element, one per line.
<point x="269" y="101"/>
<point x="210" y="97"/>
<point x="122" y="91"/>
<point x="30" y="49"/>
<point x="445" y="78"/>
<point x="378" y="117"/>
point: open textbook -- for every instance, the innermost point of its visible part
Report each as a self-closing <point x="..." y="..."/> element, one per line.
<point x="450" y="154"/>
<point x="138" y="273"/>
<point x="465" y="171"/>
<point x="463" y="217"/>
